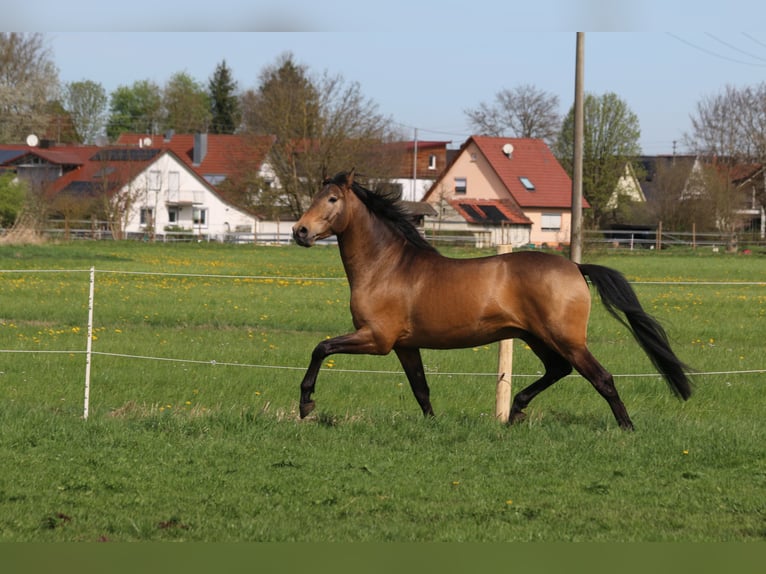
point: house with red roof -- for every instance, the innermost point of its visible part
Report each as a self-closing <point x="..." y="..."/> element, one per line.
<point x="38" y="164"/>
<point x="150" y="192"/>
<point x="420" y="163"/>
<point x="159" y="185"/>
<point x="504" y="190"/>
<point x="213" y="157"/>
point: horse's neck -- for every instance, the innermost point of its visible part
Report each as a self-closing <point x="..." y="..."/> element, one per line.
<point x="367" y="246"/>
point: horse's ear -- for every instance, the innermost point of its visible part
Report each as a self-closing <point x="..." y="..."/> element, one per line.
<point x="350" y="177"/>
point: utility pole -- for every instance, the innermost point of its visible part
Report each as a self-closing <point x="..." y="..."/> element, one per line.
<point x="415" y="167"/>
<point x="575" y="240"/>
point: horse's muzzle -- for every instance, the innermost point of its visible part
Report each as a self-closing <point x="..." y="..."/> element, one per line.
<point x="302" y="236"/>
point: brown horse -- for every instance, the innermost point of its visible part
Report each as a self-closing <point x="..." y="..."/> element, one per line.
<point x="406" y="296"/>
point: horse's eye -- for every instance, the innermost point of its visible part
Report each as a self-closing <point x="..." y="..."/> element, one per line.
<point x="332" y="199"/>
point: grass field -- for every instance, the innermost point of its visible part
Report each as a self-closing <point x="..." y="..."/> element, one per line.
<point x="193" y="431"/>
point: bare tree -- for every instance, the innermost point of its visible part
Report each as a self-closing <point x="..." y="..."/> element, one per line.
<point x="729" y="128"/>
<point x="70" y="207"/>
<point x="28" y="81"/>
<point x="731" y="124"/>
<point x="669" y="180"/>
<point x="524" y="111"/>
<point x="115" y="188"/>
<point x="320" y="126"/>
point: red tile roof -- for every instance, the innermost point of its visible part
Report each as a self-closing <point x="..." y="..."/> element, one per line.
<point x="226" y="154"/>
<point x="531" y="159"/>
<point x="108" y="171"/>
<point x="58" y="155"/>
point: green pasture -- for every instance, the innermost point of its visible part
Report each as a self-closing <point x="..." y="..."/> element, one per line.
<point x="193" y="432"/>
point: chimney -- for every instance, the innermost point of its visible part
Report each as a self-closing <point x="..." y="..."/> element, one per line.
<point x="200" y="148"/>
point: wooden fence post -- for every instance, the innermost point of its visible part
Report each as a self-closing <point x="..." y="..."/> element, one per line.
<point x="504" y="368"/>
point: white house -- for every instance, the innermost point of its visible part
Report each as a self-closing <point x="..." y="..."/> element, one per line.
<point x="156" y="194"/>
<point x="172" y="198"/>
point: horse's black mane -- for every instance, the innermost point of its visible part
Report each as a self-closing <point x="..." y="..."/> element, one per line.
<point x="389" y="209"/>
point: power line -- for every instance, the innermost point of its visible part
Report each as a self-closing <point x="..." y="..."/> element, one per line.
<point x="735" y="48"/>
<point x="713" y="53"/>
<point x="462" y="135"/>
<point x="752" y="39"/>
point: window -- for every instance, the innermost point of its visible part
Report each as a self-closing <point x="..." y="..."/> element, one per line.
<point x="528" y="185"/>
<point x="551" y="222"/>
<point x="199" y="217"/>
<point x="215" y="178"/>
<point x="147" y="216"/>
<point x="173" y="215"/>
<point x="432" y="161"/>
<point x="155" y="177"/>
<point x="174" y="180"/>
<point x="461" y="185"/>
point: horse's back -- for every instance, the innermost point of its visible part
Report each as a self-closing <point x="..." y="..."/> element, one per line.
<point x="481" y="299"/>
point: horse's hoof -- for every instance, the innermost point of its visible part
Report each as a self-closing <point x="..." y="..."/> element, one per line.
<point x="517" y="417"/>
<point x="306" y="408"/>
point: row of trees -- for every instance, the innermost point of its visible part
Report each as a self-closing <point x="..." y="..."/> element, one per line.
<point x="321" y="123"/>
<point x="728" y="129"/>
<point x="32" y="100"/>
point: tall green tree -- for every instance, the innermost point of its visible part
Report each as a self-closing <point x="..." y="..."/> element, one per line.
<point x="611" y="140"/>
<point x="135" y="108"/>
<point x="28" y="82"/>
<point x="12" y="196"/>
<point x="86" y="103"/>
<point x="224" y="101"/>
<point x="186" y="105"/>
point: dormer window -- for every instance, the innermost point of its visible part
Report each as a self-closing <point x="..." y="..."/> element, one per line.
<point x="528" y="185"/>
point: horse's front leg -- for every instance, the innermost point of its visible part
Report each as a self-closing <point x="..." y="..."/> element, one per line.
<point x="361" y="342"/>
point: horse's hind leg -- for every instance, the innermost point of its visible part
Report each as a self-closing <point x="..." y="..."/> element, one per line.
<point x="602" y="380"/>
<point x="556" y="368"/>
<point x="413" y="368"/>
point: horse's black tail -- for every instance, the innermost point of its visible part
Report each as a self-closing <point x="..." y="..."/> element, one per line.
<point x="617" y="295"/>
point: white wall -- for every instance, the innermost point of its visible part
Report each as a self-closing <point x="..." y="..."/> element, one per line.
<point x="168" y="186"/>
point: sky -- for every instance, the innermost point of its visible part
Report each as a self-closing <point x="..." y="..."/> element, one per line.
<point x="425" y="63"/>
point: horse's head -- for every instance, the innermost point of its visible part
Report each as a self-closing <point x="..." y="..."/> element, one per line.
<point x="327" y="215"/>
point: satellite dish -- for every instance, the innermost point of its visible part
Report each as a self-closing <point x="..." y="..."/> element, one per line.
<point x="508" y="149"/>
<point x="147" y="141"/>
<point x="32" y="140"/>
